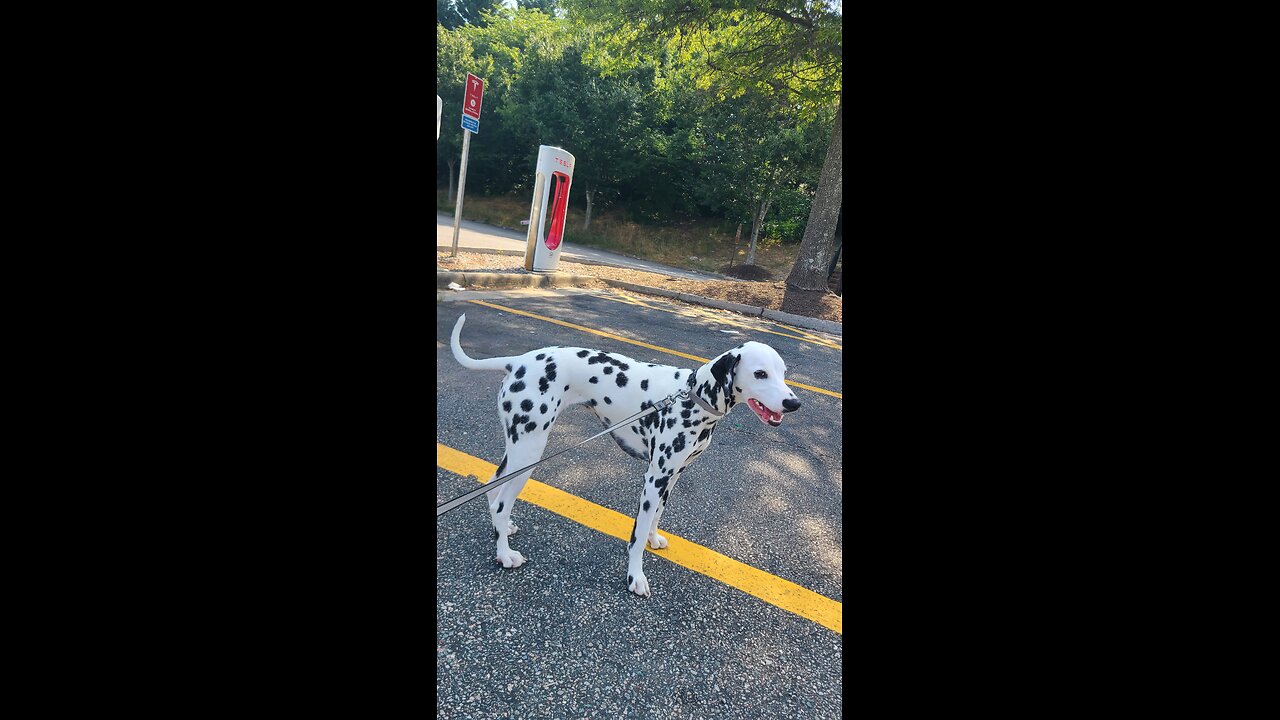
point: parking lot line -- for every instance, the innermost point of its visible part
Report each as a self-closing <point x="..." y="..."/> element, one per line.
<point x="772" y="589"/>
<point x="619" y="338"/>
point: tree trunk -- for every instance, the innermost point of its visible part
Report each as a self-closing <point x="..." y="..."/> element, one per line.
<point x="452" y="164"/>
<point x="587" y="223"/>
<point x="755" y="231"/>
<point x="810" y="270"/>
<point x="737" y="237"/>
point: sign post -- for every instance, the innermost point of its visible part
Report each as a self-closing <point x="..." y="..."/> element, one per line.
<point x="471" y="103"/>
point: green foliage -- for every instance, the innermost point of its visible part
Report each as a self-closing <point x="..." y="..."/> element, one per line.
<point x="456" y="13"/>
<point x="655" y="141"/>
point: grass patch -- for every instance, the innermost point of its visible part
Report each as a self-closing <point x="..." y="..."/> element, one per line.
<point x="695" y="245"/>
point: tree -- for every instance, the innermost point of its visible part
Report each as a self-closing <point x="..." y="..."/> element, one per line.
<point x="455" y="13"/>
<point x="546" y="6"/>
<point x="788" y="48"/>
<point x="755" y="155"/>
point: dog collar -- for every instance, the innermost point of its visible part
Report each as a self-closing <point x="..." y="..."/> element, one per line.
<point x="703" y="404"/>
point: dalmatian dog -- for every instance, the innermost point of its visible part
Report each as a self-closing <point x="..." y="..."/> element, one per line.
<point x="540" y="384"/>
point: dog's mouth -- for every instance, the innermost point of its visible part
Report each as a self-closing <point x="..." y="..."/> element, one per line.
<point x="765" y="414"/>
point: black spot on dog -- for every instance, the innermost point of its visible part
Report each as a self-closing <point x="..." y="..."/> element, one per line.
<point x="566" y="387"/>
<point x="546" y="425"/>
<point x="500" y="505"/>
<point x="583" y="353"/>
<point x="551" y="371"/>
<point x="502" y="466"/>
<point x="677" y="374"/>
<point x="622" y="380"/>
<point x="661" y="483"/>
<point x="706" y="433"/>
<point x="723" y="368"/>
<point x="517" y="386"/>
<point x="593" y="402"/>
<point x="644" y="384"/>
<point x="508" y="368"/>
<point x="735" y="387"/>
<point x="540" y="356"/>
<point x="608" y="371"/>
<point x="661" y="461"/>
<point x="687" y="404"/>
<point x="646" y="504"/>
<point x="594" y="379"/>
<point x="628" y="582"/>
<point x="526" y="405"/>
<point x="678" y="443"/>
<point x="671" y="423"/>
<point x="543" y="386"/>
<point x="506" y="406"/>
<point x="607" y="400"/>
<point x="683" y="413"/>
<point x="543" y="409"/>
<point x="635" y="430"/>
<point x="623" y="366"/>
<point x="531" y="427"/>
<point x="520" y="372"/>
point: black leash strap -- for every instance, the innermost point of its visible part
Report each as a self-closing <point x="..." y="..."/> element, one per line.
<point x="446" y="507"/>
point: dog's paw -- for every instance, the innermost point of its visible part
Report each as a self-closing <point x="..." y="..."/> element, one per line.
<point x="657" y="542"/>
<point x="638" y="584"/>
<point x="510" y="559"/>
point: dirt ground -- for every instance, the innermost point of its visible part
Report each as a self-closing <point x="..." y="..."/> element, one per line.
<point x="773" y="295"/>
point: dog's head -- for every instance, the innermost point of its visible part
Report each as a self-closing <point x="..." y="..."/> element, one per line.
<point x="753" y="373"/>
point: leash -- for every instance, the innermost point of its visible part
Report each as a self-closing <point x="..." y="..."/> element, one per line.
<point x="664" y="403"/>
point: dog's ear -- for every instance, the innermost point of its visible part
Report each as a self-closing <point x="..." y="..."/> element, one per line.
<point x="725" y="368"/>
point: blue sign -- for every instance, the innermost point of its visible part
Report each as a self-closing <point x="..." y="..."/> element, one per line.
<point x="471" y="123"/>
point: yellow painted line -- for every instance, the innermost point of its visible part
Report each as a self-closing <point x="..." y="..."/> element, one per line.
<point x="619" y="338"/>
<point x="621" y="297"/>
<point x="770" y="588"/>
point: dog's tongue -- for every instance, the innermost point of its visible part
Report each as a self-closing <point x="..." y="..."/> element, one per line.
<point x="764" y="412"/>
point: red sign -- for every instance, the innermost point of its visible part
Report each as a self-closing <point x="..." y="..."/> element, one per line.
<point x="474" y="97"/>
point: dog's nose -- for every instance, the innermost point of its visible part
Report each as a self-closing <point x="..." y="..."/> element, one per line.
<point x="790" y="405"/>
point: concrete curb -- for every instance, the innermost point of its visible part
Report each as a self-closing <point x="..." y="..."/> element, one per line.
<point x="809" y="323"/>
<point x="588" y="261"/>
<point x="686" y="297"/>
<point x="797" y="320"/>
<point x="493" y="279"/>
<point x="489" y="279"/>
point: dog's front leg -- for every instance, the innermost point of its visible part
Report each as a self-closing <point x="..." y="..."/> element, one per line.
<point x="656" y="541"/>
<point x="636" y="580"/>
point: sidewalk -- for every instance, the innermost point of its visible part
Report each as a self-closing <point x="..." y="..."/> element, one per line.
<point x="477" y="235"/>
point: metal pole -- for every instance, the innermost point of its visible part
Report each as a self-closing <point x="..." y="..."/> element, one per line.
<point x="462" y="184"/>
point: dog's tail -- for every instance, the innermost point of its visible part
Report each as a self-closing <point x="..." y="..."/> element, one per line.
<point x="499" y="363"/>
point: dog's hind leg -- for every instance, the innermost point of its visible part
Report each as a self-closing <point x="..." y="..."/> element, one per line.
<point x="525" y="451"/>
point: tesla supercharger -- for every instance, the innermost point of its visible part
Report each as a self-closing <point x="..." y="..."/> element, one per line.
<point x="550" y="203"/>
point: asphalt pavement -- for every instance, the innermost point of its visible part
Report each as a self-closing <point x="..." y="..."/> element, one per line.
<point x="561" y="637"/>
<point x="478" y="235"/>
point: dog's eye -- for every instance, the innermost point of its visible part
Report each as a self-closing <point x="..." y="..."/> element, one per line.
<point x="762" y="374"/>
